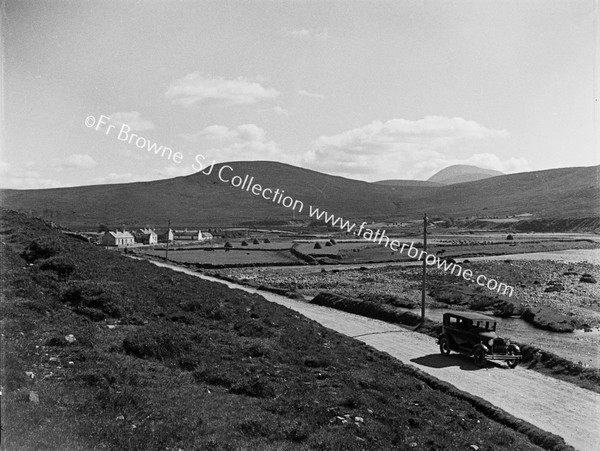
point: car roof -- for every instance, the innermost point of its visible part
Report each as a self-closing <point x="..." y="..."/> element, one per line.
<point x="471" y="315"/>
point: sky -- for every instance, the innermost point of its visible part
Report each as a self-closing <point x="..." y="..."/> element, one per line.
<point x="122" y="91"/>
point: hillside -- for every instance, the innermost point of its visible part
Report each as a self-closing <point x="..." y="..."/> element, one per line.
<point x="395" y="182"/>
<point x="105" y="352"/>
<point x="461" y="173"/>
<point x="204" y="200"/>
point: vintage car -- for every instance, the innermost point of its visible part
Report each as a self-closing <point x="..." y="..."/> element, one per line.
<point x="474" y="335"/>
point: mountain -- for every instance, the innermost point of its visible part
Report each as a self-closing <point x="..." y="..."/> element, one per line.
<point x="205" y="200"/>
<point x="407" y="183"/>
<point x="461" y="173"/>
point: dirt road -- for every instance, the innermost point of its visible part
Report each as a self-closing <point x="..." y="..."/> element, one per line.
<point x="552" y="405"/>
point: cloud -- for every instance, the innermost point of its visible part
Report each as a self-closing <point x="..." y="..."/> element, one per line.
<point x="133" y="119"/>
<point x="245" y="132"/>
<point x="280" y="110"/>
<point x="113" y="177"/>
<point x="75" y="161"/>
<point x="305" y="33"/>
<point x="15" y="178"/>
<point x="79" y="161"/>
<point x="245" y="142"/>
<point x="302" y="92"/>
<point x="401" y="148"/>
<point x="194" y="88"/>
<point x="248" y="151"/>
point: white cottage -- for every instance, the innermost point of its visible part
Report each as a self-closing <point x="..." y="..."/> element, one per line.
<point x="117" y="238"/>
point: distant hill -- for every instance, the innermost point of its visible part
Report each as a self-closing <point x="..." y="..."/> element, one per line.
<point x="204" y="200"/>
<point x="407" y="183"/>
<point x="461" y="173"/>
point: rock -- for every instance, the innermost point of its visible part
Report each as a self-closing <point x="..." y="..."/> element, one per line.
<point x="557" y="287"/>
<point x="33" y="397"/>
<point x="474" y="447"/>
<point x="359" y="419"/>
<point x="70" y="338"/>
<point x="30" y="374"/>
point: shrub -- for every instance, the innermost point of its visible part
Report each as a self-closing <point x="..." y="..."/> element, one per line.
<point x="255" y="241"/>
<point x="318" y="245"/>
<point x="244" y="243"/>
<point x="94" y="300"/>
<point x="257" y="387"/>
<point x="157" y="342"/>
<point x="62" y="266"/>
<point x="215" y="376"/>
<point x="509" y="237"/>
<point x="41" y="248"/>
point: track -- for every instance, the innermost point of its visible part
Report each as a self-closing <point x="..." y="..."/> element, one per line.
<point x="550" y="404"/>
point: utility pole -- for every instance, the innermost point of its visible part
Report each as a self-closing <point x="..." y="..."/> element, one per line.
<point x="424" y="270"/>
<point x="168" y="235"/>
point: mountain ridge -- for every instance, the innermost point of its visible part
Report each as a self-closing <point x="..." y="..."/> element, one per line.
<point x="461" y="173"/>
<point x="208" y="201"/>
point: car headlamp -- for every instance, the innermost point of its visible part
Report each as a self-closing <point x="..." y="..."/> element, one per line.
<point x="491" y="342"/>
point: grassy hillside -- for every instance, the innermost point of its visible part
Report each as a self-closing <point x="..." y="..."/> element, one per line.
<point x="556" y="193"/>
<point x="105" y="352"/>
<point x="203" y="200"/>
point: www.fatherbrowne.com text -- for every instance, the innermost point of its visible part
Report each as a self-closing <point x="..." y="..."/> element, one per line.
<point x="247" y="183"/>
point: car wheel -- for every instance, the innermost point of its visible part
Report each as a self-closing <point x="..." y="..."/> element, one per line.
<point x="479" y="356"/>
<point x="444" y="346"/>
<point x="512" y="363"/>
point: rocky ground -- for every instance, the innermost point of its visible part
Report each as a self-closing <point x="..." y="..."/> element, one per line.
<point x="537" y="284"/>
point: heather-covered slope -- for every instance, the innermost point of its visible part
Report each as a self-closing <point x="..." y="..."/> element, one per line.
<point x="105" y="352"/>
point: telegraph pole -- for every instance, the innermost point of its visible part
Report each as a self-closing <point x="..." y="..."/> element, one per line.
<point x="168" y="234"/>
<point x="424" y="270"/>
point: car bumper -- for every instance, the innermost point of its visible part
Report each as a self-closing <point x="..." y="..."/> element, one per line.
<point x="502" y="357"/>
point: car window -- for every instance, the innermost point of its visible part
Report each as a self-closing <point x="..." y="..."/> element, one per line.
<point x="485" y="325"/>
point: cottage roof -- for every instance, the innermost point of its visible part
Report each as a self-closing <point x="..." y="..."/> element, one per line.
<point x="119" y="234"/>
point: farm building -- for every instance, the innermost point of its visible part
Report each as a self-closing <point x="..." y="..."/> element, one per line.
<point x="146" y="236"/>
<point x="165" y="236"/>
<point x="117" y="238"/>
<point x="190" y="235"/>
<point x="207" y="236"/>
